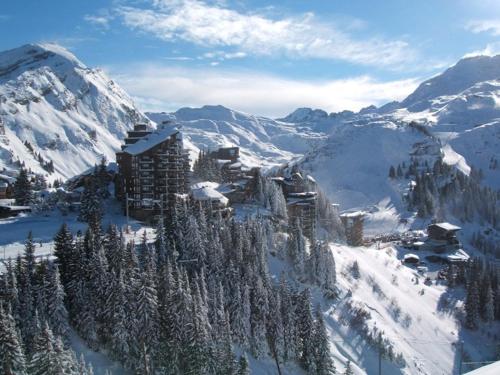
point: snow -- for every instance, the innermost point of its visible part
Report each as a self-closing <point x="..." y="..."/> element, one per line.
<point x="410" y="256"/>
<point x="69" y="113"/>
<point x="207" y="193"/>
<point x="491" y="369"/>
<point x="447" y="226"/>
<point x="262" y="141"/>
<point x="452" y="158"/>
<point x="150" y="141"/>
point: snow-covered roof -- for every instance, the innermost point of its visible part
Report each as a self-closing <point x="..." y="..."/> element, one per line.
<point x="411" y="256"/>
<point x="311" y="178"/>
<point x="447" y="226"/>
<point x="150" y="140"/>
<point x="458" y="256"/>
<point x="208" y="194"/>
<point x="353" y="214"/>
<point x="9" y="179"/>
<point x="210" y="184"/>
<point x="16" y="208"/>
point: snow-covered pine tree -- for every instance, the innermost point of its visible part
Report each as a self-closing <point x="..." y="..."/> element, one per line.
<point x="91" y="205"/>
<point x="348" y="368"/>
<point x="323" y="361"/>
<point x="472" y="307"/>
<point x="489" y="307"/>
<point x="243" y="367"/>
<point x="355" y="273"/>
<point x="56" y="311"/>
<point x="289" y="321"/>
<point x="296" y="247"/>
<point x="12" y="360"/>
<point x="275" y="329"/>
<point x="305" y="331"/>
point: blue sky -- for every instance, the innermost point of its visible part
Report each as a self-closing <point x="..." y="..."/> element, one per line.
<point x="257" y="56"/>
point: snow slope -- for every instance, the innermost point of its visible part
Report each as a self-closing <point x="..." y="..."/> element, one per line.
<point x="262" y="141"/>
<point x="458" y="113"/>
<point x="71" y="114"/>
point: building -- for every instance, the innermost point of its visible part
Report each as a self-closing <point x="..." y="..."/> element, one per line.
<point x="301" y="199"/>
<point x="353" y="224"/>
<point x="4" y="186"/>
<point x="442" y="237"/>
<point x="443" y="232"/>
<point x="206" y="194"/>
<point x="153" y="172"/>
<point x="228" y="161"/>
<point x="303" y="206"/>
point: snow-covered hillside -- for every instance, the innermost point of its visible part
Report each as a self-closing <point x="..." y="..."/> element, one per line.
<point x="262" y="141"/>
<point x="70" y="114"/>
<point x="457" y="114"/>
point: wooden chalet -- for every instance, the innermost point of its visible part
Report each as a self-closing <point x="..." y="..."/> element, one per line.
<point x="153" y="172"/>
<point x="442" y="237"/>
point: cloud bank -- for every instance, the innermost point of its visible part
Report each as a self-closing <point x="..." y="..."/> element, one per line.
<point x="166" y="88"/>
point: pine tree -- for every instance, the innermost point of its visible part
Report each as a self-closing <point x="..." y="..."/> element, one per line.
<point x="348" y="368"/>
<point x="243" y="367"/>
<point x="23" y="190"/>
<point x="43" y="358"/>
<point x="355" y="270"/>
<point x="305" y="331"/>
<point x="489" y="307"/>
<point x="64" y="253"/>
<point x="392" y="172"/>
<point x="323" y="362"/>
<point x="56" y="311"/>
<point x="91" y="205"/>
<point x="471" y="306"/>
<point x="12" y="360"/>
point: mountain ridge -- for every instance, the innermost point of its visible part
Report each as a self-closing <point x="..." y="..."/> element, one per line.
<point x="70" y="114"/>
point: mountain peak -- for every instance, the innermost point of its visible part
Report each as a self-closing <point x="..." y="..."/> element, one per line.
<point x="209" y="112"/>
<point x="33" y="56"/>
<point x="464" y="74"/>
<point x="305" y="115"/>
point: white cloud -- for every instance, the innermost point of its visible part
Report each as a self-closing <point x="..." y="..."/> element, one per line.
<point x="304" y="36"/>
<point x="161" y="88"/>
<point x="491" y="26"/>
<point x="491" y="49"/>
<point x="98" y="20"/>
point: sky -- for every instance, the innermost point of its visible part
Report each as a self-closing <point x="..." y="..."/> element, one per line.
<point x="260" y="57"/>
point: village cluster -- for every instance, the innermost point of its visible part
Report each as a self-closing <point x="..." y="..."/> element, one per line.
<point x="154" y="174"/>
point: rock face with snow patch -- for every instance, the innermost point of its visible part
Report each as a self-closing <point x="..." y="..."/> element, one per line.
<point x="70" y="114"/>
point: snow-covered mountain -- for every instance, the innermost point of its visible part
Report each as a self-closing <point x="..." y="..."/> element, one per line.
<point x="262" y="141"/>
<point x="70" y="114"/>
<point x="458" y="118"/>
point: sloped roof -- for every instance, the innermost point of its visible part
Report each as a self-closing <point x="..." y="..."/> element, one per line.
<point x="207" y="193"/>
<point x="151" y="140"/>
<point x="447" y="226"/>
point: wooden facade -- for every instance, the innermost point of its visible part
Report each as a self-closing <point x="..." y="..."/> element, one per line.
<point x="153" y="172"/>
